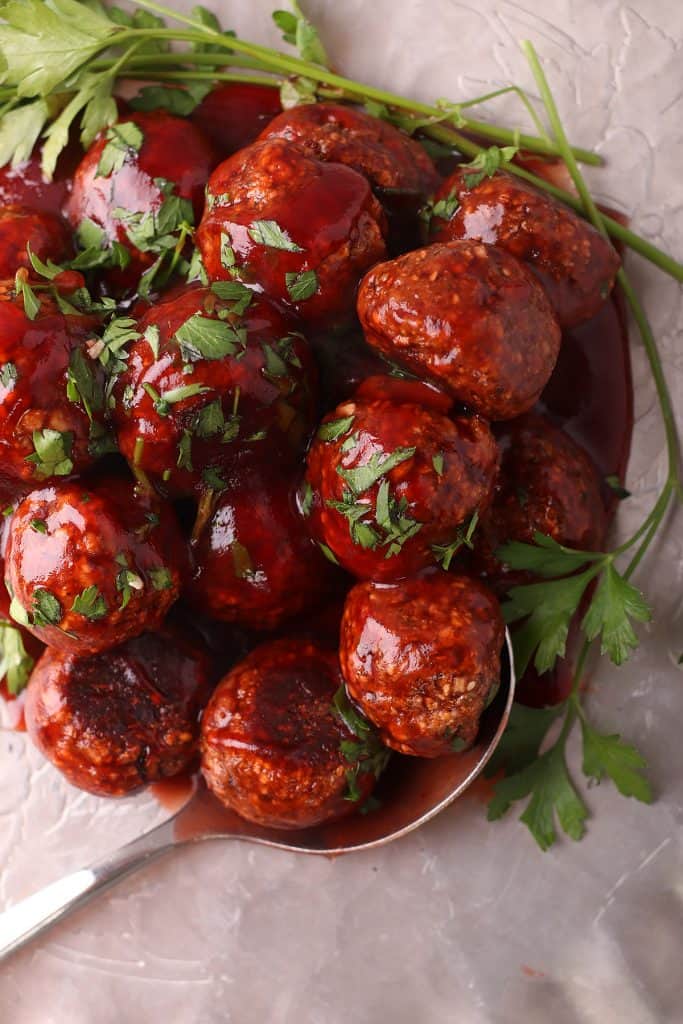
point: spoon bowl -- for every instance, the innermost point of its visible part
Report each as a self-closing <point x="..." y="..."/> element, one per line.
<point x="412" y="791"/>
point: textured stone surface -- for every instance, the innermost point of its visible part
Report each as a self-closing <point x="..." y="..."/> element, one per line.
<point x="464" y="922"/>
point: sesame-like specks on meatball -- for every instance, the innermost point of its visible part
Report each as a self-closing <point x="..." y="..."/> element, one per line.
<point x="22" y="229"/>
<point x="165" y="169"/>
<point x="215" y="374"/>
<point x="388" y="482"/>
<point x="302" y="230"/>
<point x="468" y="316"/>
<point x="273" y="747"/>
<point x="113" y="722"/>
<point x="387" y="157"/>
<point x="90" y="566"/>
<point x="422" y="659"/>
<point x="49" y="426"/>
<point x="255" y="562"/>
<point x="573" y="261"/>
<point x="547" y="484"/>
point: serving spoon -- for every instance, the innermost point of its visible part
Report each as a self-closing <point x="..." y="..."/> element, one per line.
<point x="411" y="792"/>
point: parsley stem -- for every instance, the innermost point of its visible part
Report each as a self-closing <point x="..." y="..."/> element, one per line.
<point x="206" y="76"/>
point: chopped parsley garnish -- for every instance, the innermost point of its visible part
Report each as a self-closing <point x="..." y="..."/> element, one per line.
<point x="445" y="553"/>
<point x="8" y="375"/>
<point x="203" y="338"/>
<point x="90" y="603"/>
<point x="23" y="288"/>
<point x="122" y="143"/>
<point x="52" y="455"/>
<point x="237" y="294"/>
<point x="335" y="428"/>
<point x="270" y="234"/>
<point x="184" y="460"/>
<point x="39" y="525"/>
<point x="213" y="479"/>
<point x="486" y="163"/>
<point x="82" y="384"/>
<point x="306" y="499"/>
<point x="46" y="609"/>
<point x="164" y="402"/>
<point x="161" y="578"/>
<point x="361" y="478"/>
<point x="301" y="285"/>
<point x="365" y="753"/>
<point x="16" y="664"/>
<point x="127" y="581"/>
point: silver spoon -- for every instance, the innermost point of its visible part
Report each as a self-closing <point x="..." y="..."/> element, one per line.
<point x="412" y="792"/>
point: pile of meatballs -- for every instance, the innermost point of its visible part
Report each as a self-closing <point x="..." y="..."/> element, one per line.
<point x="252" y="523"/>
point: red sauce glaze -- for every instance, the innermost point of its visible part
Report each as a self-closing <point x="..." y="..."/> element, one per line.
<point x="21" y="228"/>
<point x="255" y="561"/>
<point x="444" y="470"/>
<point x="387" y="157"/>
<point x="105" y="565"/>
<point x="422" y="659"/>
<point x="35" y="360"/>
<point x="271" y="741"/>
<point x="233" y="115"/>
<point x="254" y="390"/>
<point x="172" y="149"/>
<point x="334" y="227"/>
<point x="24" y="185"/>
<point x="112" y="722"/>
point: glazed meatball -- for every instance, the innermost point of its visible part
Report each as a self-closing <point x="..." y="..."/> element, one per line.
<point x="232" y="115"/>
<point x="111" y="723"/>
<point x="388" y="481"/>
<point x="255" y="561"/>
<point x="52" y="415"/>
<point x="273" y="745"/>
<point x="469" y="316"/>
<point x="422" y="660"/>
<point x="21" y="228"/>
<point x="302" y="230"/>
<point x="91" y="566"/>
<point x="142" y="164"/>
<point x="572" y="260"/>
<point x="24" y="184"/>
<point x="547" y="484"/>
<point x="210" y="378"/>
<point x="387" y="157"/>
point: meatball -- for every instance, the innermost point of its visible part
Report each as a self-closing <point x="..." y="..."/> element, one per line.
<point x="469" y="316"/>
<point x="137" y="183"/>
<point x="111" y="723"/>
<point x="88" y="567"/>
<point x="547" y="484"/>
<point x="422" y="660"/>
<point x="52" y="416"/>
<point x="572" y="260"/>
<point x="255" y="561"/>
<point x="388" y="481"/>
<point x="303" y="230"/>
<point x="215" y="372"/>
<point x="232" y="115"/>
<point x="273" y="745"/>
<point x="387" y="157"/>
<point x="21" y="228"/>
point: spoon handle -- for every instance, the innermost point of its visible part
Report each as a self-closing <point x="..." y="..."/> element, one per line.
<point x="37" y="913"/>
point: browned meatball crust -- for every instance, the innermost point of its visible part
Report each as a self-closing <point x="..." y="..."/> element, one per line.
<point x="547" y="484"/>
<point x="388" y="481"/>
<point x="273" y="744"/>
<point x="574" y="263"/>
<point x="469" y="316"/>
<point x="303" y="230"/>
<point x="114" y="722"/>
<point x="387" y="157"/>
<point x="422" y="659"/>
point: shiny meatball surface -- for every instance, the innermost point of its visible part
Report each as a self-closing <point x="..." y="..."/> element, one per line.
<point x="215" y="372"/>
<point x="232" y="115"/>
<point x="574" y="263"/>
<point x="255" y="563"/>
<point x="547" y="484"/>
<point x="271" y="740"/>
<point x="387" y="481"/>
<point x="113" y="722"/>
<point x="303" y="230"/>
<point x="22" y="228"/>
<point x="387" y="157"/>
<point x="469" y="316"/>
<point x="122" y="187"/>
<point x="92" y="566"/>
<point x="422" y="659"/>
<point x="52" y="420"/>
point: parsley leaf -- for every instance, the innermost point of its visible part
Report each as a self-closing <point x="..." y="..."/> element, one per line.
<point x="90" y="604"/>
<point x="365" y="753"/>
<point x="8" y="375"/>
<point x="615" y="603"/>
<point x="46" y="609"/>
<point x="178" y="101"/>
<point x="545" y="557"/>
<point x="161" y="578"/>
<point x="23" y="288"/>
<point x="52" y="455"/>
<point x="486" y="163"/>
<point x="163" y="402"/>
<point x="15" y="663"/>
<point x="203" y="338"/>
<point x="301" y="285"/>
<point x="608" y="756"/>
<point x="306" y="499"/>
<point x="234" y="292"/>
<point x="126" y="582"/>
<point x="333" y="429"/>
<point x="297" y="30"/>
<point x="361" y="478"/>
<point x="270" y="234"/>
<point x="122" y="142"/>
<point x="213" y="479"/>
<point x="445" y="553"/>
<point x="81" y="385"/>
